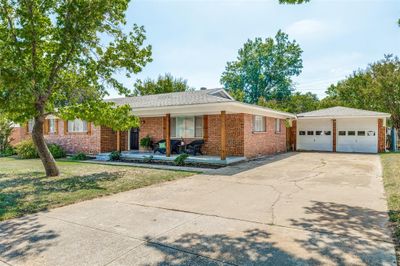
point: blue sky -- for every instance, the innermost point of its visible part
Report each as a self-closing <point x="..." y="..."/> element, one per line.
<point x="194" y="39"/>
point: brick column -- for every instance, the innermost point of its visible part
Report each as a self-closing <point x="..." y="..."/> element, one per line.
<point x="381" y="136"/>
<point x="168" y="137"/>
<point x="223" y="135"/>
<point x="293" y="136"/>
<point x="334" y="135"/>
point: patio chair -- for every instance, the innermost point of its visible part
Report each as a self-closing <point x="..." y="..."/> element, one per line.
<point x="194" y="147"/>
<point x="161" y="147"/>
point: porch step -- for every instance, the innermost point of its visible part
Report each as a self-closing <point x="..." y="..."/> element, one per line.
<point x="103" y="156"/>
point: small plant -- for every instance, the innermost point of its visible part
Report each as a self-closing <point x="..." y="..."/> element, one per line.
<point x="57" y="151"/>
<point x="148" y="159"/>
<point x="26" y="150"/>
<point x="180" y="160"/>
<point x="9" y="151"/>
<point x="146" y="142"/>
<point x="115" y="156"/>
<point x="79" y="157"/>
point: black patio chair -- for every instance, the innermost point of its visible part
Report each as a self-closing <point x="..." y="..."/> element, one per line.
<point x="174" y="146"/>
<point x="194" y="147"/>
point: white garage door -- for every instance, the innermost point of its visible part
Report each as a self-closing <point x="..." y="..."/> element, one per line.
<point x="314" y="135"/>
<point x="357" y="135"/>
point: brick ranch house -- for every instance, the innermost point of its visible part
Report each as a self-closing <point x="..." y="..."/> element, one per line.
<point x="228" y="127"/>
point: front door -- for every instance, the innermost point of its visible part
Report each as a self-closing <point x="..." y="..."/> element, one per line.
<point x="134" y="139"/>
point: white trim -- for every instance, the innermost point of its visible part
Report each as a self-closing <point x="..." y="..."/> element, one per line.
<point x="339" y="116"/>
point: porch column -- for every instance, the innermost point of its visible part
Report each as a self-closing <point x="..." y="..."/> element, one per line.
<point x="334" y="135"/>
<point x="168" y="137"/>
<point x="223" y="135"/>
<point x="119" y="141"/>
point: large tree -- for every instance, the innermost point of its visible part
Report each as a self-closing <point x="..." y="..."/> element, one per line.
<point x="60" y="56"/>
<point x="296" y="103"/>
<point x="375" y="88"/>
<point x="264" y="68"/>
<point x="164" y="84"/>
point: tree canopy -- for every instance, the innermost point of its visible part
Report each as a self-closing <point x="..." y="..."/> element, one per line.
<point x="375" y="88"/>
<point x="164" y="84"/>
<point x="264" y="68"/>
<point x="60" y="57"/>
<point x="296" y="103"/>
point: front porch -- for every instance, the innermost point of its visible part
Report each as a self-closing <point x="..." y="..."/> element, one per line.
<point x="143" y="156"/>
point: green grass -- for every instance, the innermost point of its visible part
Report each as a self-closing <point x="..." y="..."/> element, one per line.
<point x="25" y="189"/>
<point x="391" y="180"/>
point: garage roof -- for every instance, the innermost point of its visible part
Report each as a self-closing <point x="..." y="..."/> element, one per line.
<point x="340" y="111"/>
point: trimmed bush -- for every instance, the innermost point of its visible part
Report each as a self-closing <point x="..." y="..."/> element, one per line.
<point x="180" y="160"/>
<point x="57" y="151"/>
<point x="115" y="156"/>
<point x="79" y="157"/>
<point x="9" y="151"/>
<point x="26" y="149"/>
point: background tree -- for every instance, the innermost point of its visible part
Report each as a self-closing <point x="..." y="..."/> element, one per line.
<point x="264" y="68"/>
<point x="163" y="84"/>
<point x="375" y="88"/>
<point x="6" y="128"/>
<point x="296" y="103"/>
<point x="54" y="60"/>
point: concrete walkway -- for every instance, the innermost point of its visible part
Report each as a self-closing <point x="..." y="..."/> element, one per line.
<point x="293" y="209"/>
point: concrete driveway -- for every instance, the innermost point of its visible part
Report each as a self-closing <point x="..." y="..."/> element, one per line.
<point x="292" y="209"/>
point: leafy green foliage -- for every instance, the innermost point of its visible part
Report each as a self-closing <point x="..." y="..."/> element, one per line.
<point x="115" y="156"/>
<point x="293" y="1"/>
<point x="58" y="57"/>
<point x="180" y="160"/>
<point x="146" y="142"/>
<point x="56" y="150"/>
<point x="79" y="157"/>
<point x="264" y="68"/>
<point x="26" y="149"/>
<point x="6" y="128"/>
<point x="163" y="84"/>
<point x="9" y="151"/>
<point x="295" y="103"/>
<point x="375" y="88"/>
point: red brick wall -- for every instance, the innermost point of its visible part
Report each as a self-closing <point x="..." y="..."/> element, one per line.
<point x="18" y="134"/>
<point x="108" y="139"/>
<point x="88" y="143"/>
<point x="263" y="143"/>
<point x="293" y="135"/>
<point x="381" y="136"/>
<point x="152" y="126"/>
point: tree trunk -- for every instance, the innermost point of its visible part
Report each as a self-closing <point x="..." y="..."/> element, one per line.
<point x="47" y="158"/>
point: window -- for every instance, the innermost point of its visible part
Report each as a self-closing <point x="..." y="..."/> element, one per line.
<point x="351" y="133"/>
<point x="342" y="133"/>
<point x="318" y="132"/>
<point x="277" y="125"/>
<point x="77" y="125"/>
<point x="310" y="133"/>
<point x="327" y="133"/>
<point x="258" y="123"/>
<point x="31" y="123"/>
<point x="360" y="133"/>
<point x="52" y="126"/>
<point x="187" y="127"/>
<point x="371" y="133"/>
<point x="302" y="133"/>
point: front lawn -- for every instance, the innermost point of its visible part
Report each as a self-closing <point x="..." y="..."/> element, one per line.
<point x="24" y="188"/>
<point x="391" y="180"/>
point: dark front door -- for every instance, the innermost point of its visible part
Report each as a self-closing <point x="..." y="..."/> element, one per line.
<point x="134" y="139"/>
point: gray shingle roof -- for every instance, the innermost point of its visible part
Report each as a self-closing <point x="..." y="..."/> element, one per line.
<point x="174" y="99"/>
<point x="339" y="111"/>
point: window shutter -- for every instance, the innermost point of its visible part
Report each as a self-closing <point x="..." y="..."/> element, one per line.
<point x="65" y="127"/>
<point x="56" y="126"/>
<point x="89" y="128"/>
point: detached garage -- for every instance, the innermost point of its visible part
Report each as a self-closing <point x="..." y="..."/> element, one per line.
<point x="341" y="129"/>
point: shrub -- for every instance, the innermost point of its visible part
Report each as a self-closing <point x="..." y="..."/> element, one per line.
<point x="9" y="151"/>
<point x="6" y="128"/>
<point x="26" y="150"/>
<point x="79" y="156"/>
<point x="57" y="151"/>
<point x="115" y="156"/>
<point x="146" y="142"/>
<point x="180" y="160"/>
